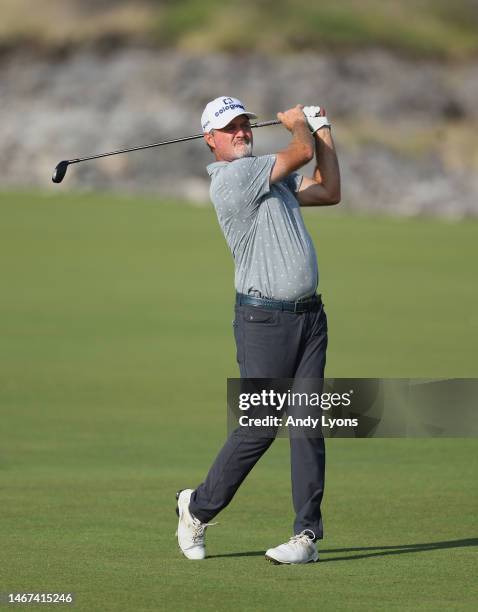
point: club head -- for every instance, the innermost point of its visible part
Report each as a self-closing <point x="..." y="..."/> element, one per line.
<point x="59" y="172"/>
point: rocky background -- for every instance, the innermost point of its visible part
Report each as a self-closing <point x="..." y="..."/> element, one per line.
<point x="405" y="127"/>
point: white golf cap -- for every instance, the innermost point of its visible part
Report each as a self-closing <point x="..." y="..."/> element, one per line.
<point x="219" y="112"/>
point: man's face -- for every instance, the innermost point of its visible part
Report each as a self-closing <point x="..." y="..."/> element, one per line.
<point x="232" y="141"/>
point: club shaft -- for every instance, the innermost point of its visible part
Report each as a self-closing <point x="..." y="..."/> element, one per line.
<point x="160" y="144"/>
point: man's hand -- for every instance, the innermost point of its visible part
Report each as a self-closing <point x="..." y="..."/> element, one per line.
<point x="292" y="117"/>
<point x="316" y="118"/>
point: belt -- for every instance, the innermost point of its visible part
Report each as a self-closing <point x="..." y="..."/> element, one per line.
<point x="303" y="305"/>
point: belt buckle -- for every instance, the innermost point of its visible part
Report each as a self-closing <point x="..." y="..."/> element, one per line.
<point x="296" y="303"/>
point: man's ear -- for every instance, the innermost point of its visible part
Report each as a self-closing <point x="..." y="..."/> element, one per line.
<point x="209" y="138"/>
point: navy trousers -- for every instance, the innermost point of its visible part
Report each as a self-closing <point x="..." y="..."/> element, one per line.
<point x="272" y="344"/>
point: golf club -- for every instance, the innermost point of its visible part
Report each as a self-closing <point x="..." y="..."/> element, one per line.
<point x="61" y="168"/>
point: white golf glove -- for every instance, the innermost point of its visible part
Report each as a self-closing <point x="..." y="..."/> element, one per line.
<point x="314" y="120"/>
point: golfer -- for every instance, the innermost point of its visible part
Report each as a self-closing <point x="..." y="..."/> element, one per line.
<point x="280" y="323"/>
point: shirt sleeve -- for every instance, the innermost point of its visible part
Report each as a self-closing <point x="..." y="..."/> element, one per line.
<point x="293" y="181"/>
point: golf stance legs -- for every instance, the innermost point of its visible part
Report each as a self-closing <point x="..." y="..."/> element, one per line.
<point x="275" y="344"/>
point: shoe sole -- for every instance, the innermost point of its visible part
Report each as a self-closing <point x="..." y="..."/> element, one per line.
<point x="178" y="493"/>
<point x="177" y="514"/>
<point x="275" y="562"/>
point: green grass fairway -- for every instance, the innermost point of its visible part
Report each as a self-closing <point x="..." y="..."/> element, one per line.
<point x="115" y="345"/>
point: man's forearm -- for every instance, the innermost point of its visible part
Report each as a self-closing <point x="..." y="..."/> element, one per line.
<point x="299" y="151"/>
<point x="302" y="139"/>
<point x="326" y="172"/>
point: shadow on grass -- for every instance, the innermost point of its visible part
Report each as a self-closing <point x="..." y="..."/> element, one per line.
<point x="400" y="549"/>
<point x="373" y="551"/>
<point x="251" y="553"/>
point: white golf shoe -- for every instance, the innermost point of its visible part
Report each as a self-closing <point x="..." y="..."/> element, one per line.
<point x="299" y="549"/>
<point x="191" y="532"/>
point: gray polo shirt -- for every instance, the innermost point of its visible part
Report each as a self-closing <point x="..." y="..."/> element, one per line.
<point x="273" y="253"/>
